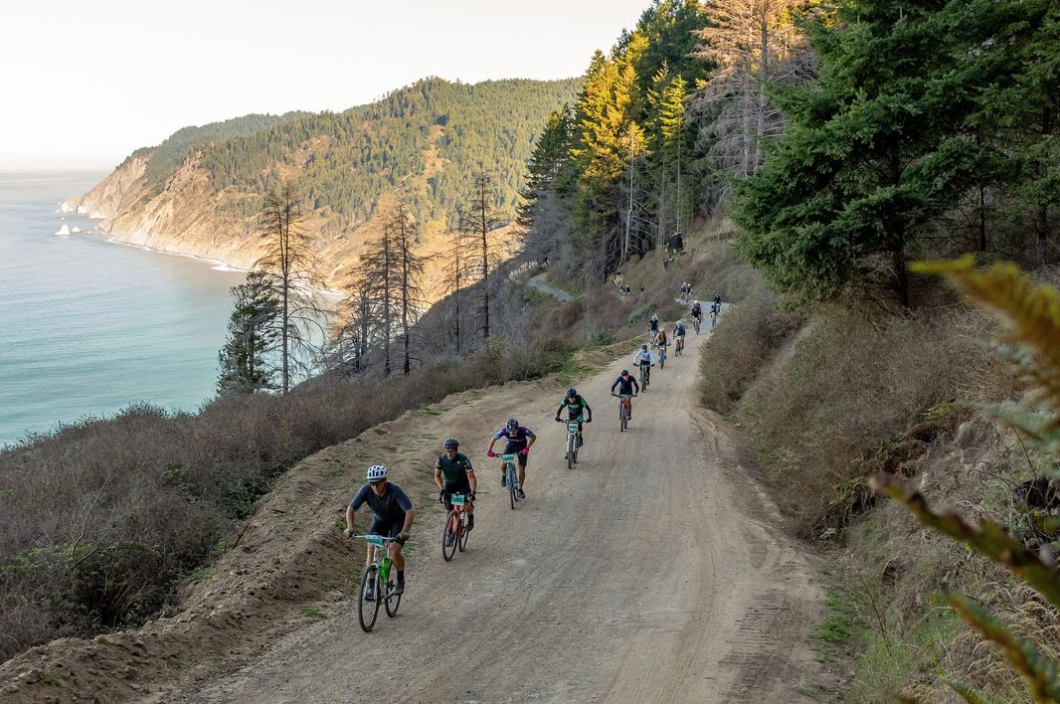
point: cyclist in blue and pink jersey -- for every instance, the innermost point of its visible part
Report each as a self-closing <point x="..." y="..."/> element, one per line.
<point x="520" y="440"/>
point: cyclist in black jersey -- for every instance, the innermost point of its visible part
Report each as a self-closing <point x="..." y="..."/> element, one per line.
<point x="626" y="385"/>
<point x="576" y="407"/>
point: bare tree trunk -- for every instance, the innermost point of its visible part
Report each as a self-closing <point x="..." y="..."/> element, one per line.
<point x="386" y="300"/>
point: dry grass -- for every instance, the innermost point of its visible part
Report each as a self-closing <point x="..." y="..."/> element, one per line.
<point x="100" y="521"/>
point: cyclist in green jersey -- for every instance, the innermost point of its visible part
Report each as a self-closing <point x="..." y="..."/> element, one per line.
<point x="454" y="475"/>
<point x="576" y="407"/>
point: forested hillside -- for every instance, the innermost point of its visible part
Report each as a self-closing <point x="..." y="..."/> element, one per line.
<point x="201" y="191"/>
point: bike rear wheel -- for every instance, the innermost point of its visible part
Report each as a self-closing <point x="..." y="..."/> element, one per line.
<point x="368" y="611"/>
<point x="393" y="601"/>
<point x="449" y="537"/>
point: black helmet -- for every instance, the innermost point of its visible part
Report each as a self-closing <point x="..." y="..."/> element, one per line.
<point x="624" y="372"/>
<point x="572" y="392"/>
<point x="451" y="443"/>
<point x="512" y="424"/>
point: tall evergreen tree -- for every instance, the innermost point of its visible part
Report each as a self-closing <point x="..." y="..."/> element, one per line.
<point x="253" y="330"/>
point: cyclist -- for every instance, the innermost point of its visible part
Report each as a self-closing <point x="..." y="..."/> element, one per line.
<point x="653" y="329"/>
<point x="717" y="300"/>
<point x="661" y="342"/>
<point x="715" y="309"/>
<point x="576" y="406"/>
<point x="520" y="440"/>
<point x="626" y="385"/>
<point x="697" y="312"/>
<point x="392" y="517"/>
<point x="644" y="358"/>
<point x="454" y="475"/>
<point x="679" y="334"/>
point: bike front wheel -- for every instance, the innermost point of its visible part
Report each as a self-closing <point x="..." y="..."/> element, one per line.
<point x="571" y="450"/>
<point x="368" y="611"/>
<point x="393" y="601"/>
<point x="449" y="537"/>
<point x="463" y="532"/>
<point x="512" y="498"/>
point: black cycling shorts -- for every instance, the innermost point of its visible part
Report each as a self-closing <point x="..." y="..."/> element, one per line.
<point x="464" y="489"/>
<point x="390" y="530"/>
<point x="517" y="448"/>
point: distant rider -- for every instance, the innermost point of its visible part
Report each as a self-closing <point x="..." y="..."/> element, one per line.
<point x="454" y="475"/>
<point x="576" y="407"/>
<point x="644" y="358"/>
<point x="653" y="328"/>
<point x="661" y="342"/>
<point x="627" y="386"/>
<point x="679" y="335"/>
<point x="697" y="312"/>
<point x="520" y="440"/>
<point x="393" y="514"/>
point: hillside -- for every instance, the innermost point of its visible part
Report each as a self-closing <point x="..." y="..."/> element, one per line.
<point x="200" y="191"/>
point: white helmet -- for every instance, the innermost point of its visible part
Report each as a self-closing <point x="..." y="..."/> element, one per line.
<point x="654" y="316"/>
<point x="697" y="303"/>
<point x="376" y="473"/>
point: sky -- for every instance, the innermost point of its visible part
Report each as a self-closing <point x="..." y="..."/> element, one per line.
<point x="85" y="83"/>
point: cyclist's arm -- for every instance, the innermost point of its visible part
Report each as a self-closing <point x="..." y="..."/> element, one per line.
<point x="493" y="441"/>
<point x="349" y="518"/>
<point x="438" y="478"/>
<point x="405" y="504"/>
<point x="472" y="480"/>
<point x="585" y="405"/>
<point x="533" y="439"/>
<point x="614" y="385"/>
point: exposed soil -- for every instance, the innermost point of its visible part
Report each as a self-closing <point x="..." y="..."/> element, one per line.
<point x="654" y="571"/>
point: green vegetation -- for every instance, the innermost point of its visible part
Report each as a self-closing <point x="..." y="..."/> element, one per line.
<point x="348" y="159"/>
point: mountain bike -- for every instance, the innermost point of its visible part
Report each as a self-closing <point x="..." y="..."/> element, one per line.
<point x="625" y="409"/>
<point x="455" y="532"/>
<point x="644" y="376"/>
<point x="662" y="357"/>
<point x="573" y="442"/>
<point x="378" y="581"/>
<point x="679" y="346"/>
<point x="511" y="478"/>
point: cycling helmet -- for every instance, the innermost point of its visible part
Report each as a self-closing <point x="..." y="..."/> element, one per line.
<point x="451" y="443"/>
<point x="376" y="473"/>
<point x="654" y="317"/>
<point x="680" y="322"/>
<point x="624" y="372"/>
<point x="572" y="392"/>
<point x="697" y="303"/>
<point x="512" y="424"/>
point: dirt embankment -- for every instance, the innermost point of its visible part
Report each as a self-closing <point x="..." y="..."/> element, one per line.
<point x="656" y="570"/>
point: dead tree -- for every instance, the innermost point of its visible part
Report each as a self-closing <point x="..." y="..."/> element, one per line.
<point x="409" y="273"/>
<point x="290" y="264"/>
<point x="482" y="219"/>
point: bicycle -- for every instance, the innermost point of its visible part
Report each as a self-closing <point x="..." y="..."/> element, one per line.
<point x="572" y="443"/>
<point x="662" y="356"/>
<point x="511" y="478"/>
<point x="679" y="346"/>
<point x="455" y="532"/>
<point x="695" y="324"/>
<point x="377" y="576"/>
<point x="644" y="376"/>
<point x="625" y="409"/>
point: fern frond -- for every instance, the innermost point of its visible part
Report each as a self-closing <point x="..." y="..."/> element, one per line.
<point x="1042" y="429"/>
<point x="973" y="696"/>
<point x="987" y="538"/>
<point x="1043" y="381"/>
<point x="1031" y="312"/>
<point x="1037" y="670"/>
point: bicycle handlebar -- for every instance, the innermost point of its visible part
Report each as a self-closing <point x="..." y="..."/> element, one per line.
<point x="385" y="538"/>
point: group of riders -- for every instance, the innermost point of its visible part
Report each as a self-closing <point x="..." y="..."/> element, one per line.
<point x="392" y="510"/>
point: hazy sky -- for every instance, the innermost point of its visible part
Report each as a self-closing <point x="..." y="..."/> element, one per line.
<point x="85" y="83"/>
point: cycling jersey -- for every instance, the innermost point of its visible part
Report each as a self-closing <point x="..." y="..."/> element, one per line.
<point x="520" y="436"/>
<point x="679" y="331"/>
<point x="697" y="312"/>
<point x="654" y="326"/>
<point x="454" y="471"/>
<point x="390" y="508"/>
<point x="574" y="408"/>
<point x="643" y="357"/>
<point x="625" y="386"/>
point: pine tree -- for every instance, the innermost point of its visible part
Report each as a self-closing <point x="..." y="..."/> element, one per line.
<point x="253" y="330"/>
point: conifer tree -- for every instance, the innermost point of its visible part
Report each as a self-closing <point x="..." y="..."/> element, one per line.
<point x="253" y="329"/>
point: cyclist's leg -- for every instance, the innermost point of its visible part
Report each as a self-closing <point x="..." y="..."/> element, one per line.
<point x="395" y="548"/>
<point x="522" y="471"/>
<point x="377" y="528"/>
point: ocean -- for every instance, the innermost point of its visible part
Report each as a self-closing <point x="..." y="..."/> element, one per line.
<point x="87" y="326"/>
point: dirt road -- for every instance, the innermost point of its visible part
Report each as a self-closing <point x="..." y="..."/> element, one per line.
<point x="652" y="572"/>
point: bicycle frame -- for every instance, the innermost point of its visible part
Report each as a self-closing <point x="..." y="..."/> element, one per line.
<point x="381" y="564"/>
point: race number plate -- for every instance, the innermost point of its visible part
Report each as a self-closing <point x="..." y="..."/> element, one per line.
<point x="508" y="458"/>
<point x="457" y="499"/>
<point x="572" y="427"/>
<point x="375" y="540"/>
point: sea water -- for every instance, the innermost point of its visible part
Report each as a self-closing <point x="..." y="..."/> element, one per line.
<point x="87" y="326"/>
